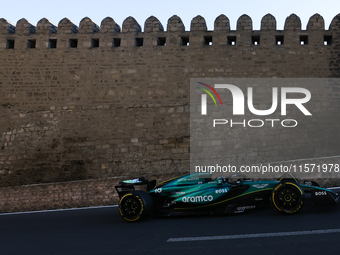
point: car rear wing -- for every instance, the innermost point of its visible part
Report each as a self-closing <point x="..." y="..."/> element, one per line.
<point x="134" y="184"/>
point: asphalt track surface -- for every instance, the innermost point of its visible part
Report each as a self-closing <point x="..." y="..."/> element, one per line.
<point x="314" y="230"/>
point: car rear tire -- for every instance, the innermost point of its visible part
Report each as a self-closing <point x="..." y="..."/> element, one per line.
<point x="288" y="197"/>
<point x="135" y="205"/>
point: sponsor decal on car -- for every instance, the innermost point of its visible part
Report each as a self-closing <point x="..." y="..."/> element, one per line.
<point x="219" y="191"/>
<point x="188" y="179"/>
<point x="195" y="199"/>
<point x="320" y="193"/>
<point x="177" y="192"/>
<point x="158" y="190"/>
<point x="123" y="189"/>
<point x="132" y="181"/>
<point x="247" y="207"/>
<point x="260" y="186"/>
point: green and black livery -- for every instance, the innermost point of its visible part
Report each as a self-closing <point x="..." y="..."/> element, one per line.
<point x="200" y="194"/>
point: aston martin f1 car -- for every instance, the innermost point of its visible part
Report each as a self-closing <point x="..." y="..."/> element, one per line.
<point x="197" y="194"/>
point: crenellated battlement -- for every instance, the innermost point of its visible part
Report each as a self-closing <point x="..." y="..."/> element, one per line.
<point x="45" y="30"/>
<point x="152" y="24"/>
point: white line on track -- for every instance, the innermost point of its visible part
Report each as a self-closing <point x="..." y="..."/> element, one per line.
<point x="245" y="236"/>
<point x="59" y="210"/>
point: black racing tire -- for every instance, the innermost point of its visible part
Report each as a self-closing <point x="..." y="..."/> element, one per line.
<point x="135" y="205"/>
<point x="288" y="197"/>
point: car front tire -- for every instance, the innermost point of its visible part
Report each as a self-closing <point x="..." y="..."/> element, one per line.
<point x="288" y="197"/>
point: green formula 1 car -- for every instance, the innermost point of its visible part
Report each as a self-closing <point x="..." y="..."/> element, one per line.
<point x="197" y="194"/>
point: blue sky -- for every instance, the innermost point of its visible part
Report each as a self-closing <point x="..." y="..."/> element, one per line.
<point x="97" y="10"/>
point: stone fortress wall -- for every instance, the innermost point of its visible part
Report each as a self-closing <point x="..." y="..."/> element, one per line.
<point x="100" y="103"/>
